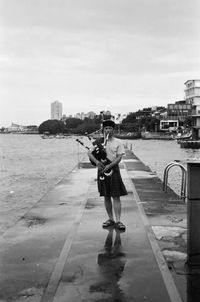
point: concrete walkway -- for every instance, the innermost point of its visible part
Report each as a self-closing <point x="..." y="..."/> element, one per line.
<point x="59" y="252"/>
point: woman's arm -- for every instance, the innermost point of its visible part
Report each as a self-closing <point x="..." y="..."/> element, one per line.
<point x="99" y="164"/>
<point x="115" y="162"/>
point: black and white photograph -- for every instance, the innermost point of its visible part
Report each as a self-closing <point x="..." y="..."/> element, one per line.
<point x="99" y="151"/>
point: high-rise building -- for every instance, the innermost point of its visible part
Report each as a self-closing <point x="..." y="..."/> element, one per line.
<point x="56" y="110"/>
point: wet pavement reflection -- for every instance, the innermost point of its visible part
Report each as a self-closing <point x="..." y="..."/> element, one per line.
<point x="111" y="261"/>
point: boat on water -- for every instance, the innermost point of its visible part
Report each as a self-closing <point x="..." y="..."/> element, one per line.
<point x="129" y="135"/>
<point x="57" y="136"/>
<point x="185" y="136"/>
<point x="157" y="135"/>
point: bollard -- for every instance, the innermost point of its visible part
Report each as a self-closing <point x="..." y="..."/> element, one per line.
<point x="193" y="213"/>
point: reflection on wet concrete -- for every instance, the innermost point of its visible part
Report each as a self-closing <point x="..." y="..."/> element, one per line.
<point x="111" y="261"/>
<point x="34" y="220"/>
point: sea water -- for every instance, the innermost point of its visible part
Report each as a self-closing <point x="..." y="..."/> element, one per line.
<point x="157" y="154"/>
<point x="29" y="167"/>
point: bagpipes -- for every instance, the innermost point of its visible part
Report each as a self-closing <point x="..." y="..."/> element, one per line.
<point x="99" y="152"/>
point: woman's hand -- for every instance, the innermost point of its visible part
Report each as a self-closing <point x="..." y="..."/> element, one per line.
<point x="100" y="166"/>
<point x="106" y="169"/>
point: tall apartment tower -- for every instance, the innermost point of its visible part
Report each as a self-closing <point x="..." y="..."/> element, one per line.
<point x="56" y="110"/>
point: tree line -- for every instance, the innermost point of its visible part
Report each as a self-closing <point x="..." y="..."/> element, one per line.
<point x="132" y="123"/>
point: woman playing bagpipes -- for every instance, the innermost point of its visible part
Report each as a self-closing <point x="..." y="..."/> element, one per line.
<point x="111" y="185"/>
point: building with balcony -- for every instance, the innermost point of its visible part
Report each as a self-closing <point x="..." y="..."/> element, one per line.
<point x="192" y="97"/>
<point x="179" y="110"/>
<point x="56" y="110"/>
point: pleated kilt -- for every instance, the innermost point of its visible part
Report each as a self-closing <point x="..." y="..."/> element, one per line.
<point x="111" y="186"/>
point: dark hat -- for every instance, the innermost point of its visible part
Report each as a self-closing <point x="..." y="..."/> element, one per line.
<point x="107" y="123"/>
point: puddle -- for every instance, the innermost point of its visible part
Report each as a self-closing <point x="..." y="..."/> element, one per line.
<point x="34" y="221"/>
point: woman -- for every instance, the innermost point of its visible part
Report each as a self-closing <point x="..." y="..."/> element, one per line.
<point x="111" y="187"/>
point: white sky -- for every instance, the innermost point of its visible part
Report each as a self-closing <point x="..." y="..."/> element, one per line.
<point x="93" y="55"/>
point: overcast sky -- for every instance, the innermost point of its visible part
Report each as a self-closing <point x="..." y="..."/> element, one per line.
<point x="93" y="55"/>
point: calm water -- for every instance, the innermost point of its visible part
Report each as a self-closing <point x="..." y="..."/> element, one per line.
<point x="30" y="166"/>
<point x="25" y="158"/>
<point x="157" y="154"/>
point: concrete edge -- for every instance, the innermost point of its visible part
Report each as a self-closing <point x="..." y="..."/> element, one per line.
<point x="51" y="288"/>
<point x="166" y="275"/>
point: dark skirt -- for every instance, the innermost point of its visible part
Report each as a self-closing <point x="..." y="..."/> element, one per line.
<point x="111" y="186"/>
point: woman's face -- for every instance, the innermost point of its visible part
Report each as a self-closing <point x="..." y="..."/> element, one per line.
<point x="108" y="130"/>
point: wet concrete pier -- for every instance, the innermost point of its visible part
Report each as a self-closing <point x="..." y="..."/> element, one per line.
<point x="59" y="251"/>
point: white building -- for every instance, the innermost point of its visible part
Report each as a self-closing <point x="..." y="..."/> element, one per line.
<point x="169" y="125"/>
<point x="14" y="128"/>
<point x="56" y="110"/>
<point x="192" y="96"/>
<point x="81" y="115"/>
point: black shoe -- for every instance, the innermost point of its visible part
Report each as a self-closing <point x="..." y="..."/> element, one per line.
<point x="108" y="223"/>
<point x="120" y="226"/>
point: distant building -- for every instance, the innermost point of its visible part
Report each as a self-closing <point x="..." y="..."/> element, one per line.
<point x="105" y="114"/>
<point x="192" y="97"/>
<point x="175" y="114"/>
<point x="56" y="110"/>
<point x="15" y="128"/>
<point x="192" y="94"/>
<point x="90" y="114"/>
<point x="169" y="125"/>
<point x="159" y="112"/>
<point x="81" y="115"/>
<point x="179" y="110"/>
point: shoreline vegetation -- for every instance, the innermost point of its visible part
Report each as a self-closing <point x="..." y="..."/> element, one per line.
<point x="132" y="127"/>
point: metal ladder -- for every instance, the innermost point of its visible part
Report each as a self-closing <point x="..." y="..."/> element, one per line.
<point x="184" y="178"/>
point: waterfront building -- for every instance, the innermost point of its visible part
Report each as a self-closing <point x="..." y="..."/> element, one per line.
<point x="192" y="97"/>
<point x="175" y="115"/>
<point x="169" y="125"/>
<point x="15" y="128"/>
<point x="179" y="110"/>
<point x="56" y="110"/>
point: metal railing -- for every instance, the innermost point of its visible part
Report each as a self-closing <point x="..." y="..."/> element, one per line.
<point x="183" y="181"/>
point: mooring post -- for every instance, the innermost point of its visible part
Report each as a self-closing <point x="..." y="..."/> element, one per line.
<point x="193" y="213"/>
